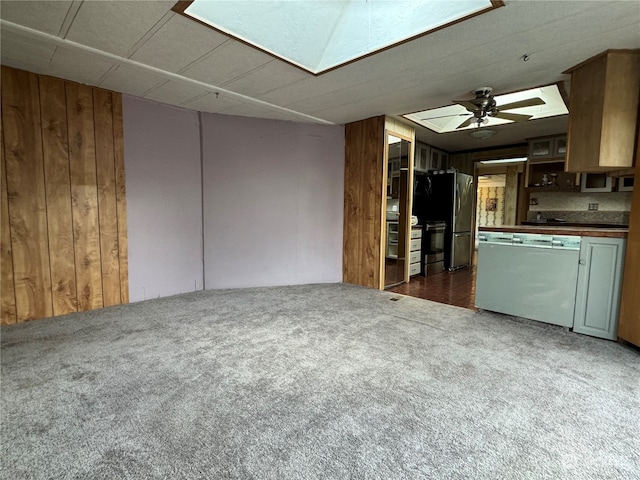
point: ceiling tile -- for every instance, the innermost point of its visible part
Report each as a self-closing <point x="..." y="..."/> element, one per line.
<point x="211" y="103"/>
<point x="232" y="59"/>
<point x="131" y="80"/>
<point x="46" y="17"/>
<point x="176" y="93"/>
<point x="78" y="65"/>
<point x="260" y="111"/>
<point x="269" y="76"/>
<point x="116" y="27"/>
<point x="177" y="43"/>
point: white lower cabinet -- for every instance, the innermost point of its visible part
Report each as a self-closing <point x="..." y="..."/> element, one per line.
<point x="391" y="250"/>
<point x="415" y="251"/>
<point x="599" y="287"/>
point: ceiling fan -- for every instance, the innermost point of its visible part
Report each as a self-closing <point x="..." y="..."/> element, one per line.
<point x="484" y="106"/>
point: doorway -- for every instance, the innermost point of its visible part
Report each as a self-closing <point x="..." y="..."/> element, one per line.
<point x="498" y="199"/>
<point x="397" y="209"/>
<point x="490" y="201"/>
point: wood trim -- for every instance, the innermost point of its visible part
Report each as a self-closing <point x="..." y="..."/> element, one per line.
<point x="523" y="199"/>
<point x="500" y="152"/>
<point x="181" y="6"/>
<point x="106" y="186"/>
<point x="629" y="318"/>
<point x="407" y="133"/>
<point x="121" y="196"/>
<point x="7" y="292"/>
<point x="511" y="195"/>
<point x="602" y="54"/>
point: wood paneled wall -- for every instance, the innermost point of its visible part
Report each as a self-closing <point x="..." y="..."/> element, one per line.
<point x="363" y="194"/>
<point x="64" y="239"/>
<point x="364" y="198"/>
<point x="629" y="319"/>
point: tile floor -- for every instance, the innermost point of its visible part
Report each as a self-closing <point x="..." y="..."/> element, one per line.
<point x="453" y="288"/>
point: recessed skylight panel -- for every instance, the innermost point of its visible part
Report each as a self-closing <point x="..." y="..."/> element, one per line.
<point x="320" y="35"/>
<point x="449" y="118"/>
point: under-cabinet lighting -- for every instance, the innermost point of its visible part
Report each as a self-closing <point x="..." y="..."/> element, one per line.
<point x="504" y="160"/>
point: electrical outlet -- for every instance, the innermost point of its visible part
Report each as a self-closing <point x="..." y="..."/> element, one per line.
<point x="593" y="206"/>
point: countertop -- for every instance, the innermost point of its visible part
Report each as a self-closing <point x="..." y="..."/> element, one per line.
<point x="583" y="231"/>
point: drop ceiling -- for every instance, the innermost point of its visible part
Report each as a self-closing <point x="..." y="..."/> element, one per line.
<point x="145" y="49"/>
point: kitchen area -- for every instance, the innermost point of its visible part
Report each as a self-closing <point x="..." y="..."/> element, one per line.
<point x="556" y="254"/>
<point x="556" y="241"/>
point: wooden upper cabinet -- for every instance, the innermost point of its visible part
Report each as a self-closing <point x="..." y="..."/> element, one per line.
<point x="603" y="112"/>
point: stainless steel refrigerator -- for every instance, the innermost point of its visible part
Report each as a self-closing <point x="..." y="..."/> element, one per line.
<point x="447" y="197"/>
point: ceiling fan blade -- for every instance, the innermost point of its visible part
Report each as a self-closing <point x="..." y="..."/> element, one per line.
<point x="529" y="102"/>
<point x="514" y="117"/>
<point x="467" y="104"/>
<point x="466" y="123"/>
<point x="445" y="116"/>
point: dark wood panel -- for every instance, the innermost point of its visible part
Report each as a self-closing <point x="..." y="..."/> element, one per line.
<point x="121" y="196"/>
<point x="59" y="220"/>
<point x="26" y="194"/>
<point x="629" y="319"/>
<point x="106" y="181"/>
<point x="84" y="195"/>
<point x="351" y="234"/>
<point x="7" y="292"/>
<point x="372" y="203"/>
<point x="364" y="144"/>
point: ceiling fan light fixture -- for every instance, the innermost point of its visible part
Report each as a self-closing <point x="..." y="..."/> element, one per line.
<point x="482" y="133"/>
<point x="519" y="106"/>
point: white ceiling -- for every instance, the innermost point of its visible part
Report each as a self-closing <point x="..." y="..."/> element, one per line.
<point x="142" y="48"/>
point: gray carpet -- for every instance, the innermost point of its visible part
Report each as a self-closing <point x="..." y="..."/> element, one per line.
<point x="313" y="382"/>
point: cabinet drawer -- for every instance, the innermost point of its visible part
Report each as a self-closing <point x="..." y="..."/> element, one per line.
<point x="414" y="257"/>
<point x="414" y="269"/>
<point x="416" y="233"/>
<point x="415" y="245"/>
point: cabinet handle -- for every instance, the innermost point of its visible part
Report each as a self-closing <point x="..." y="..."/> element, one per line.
<point x="582" y="262"/>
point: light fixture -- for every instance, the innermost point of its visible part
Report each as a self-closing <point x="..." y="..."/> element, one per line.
<point x="482" y="133"/>
<point x="504" y="160"/>
<point x="448" y="118"/>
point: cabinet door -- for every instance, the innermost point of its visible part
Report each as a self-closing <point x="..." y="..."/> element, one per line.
<point x="435" y="159"/>
<point x="541" y="148"/>
<point x="422" y="158"/>
<point x="559" y="147"/>
<point x="599" y="287"/>
<point x="444" y="160"/>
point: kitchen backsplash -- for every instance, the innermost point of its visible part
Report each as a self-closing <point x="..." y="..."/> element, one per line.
<point x="574" y="206"/>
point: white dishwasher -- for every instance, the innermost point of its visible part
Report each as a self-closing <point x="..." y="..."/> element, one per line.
<point x="528" y="275"/>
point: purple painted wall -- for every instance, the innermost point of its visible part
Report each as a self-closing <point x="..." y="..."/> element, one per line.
<point x="273" y="202"/>
<point x="164" y="200"/>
